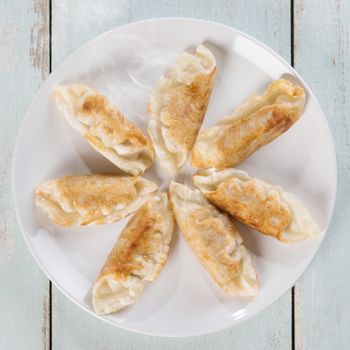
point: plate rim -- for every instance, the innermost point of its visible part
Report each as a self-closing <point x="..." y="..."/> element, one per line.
<point x="258" y="309"/>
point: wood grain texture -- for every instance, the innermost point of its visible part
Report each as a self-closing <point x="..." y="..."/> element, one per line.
<point x="24" y="62"/>
<point x="75" y="22"/>
<point x="322" y="56"/>
<point x="73" y="328"/>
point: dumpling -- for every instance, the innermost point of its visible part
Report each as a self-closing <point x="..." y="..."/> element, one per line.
<point x="255" y="123"/>
<point x="105" y="128"/>
<point x="215" y="241"/>
<point x="93" y="199"/>
<point x="137" y="257"/>
<point x="177" y="107"/>
<point x="260" y="205"/>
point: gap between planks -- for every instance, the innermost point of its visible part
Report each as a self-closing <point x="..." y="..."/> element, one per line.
<point x="50" y="70"/>
<point x="292" y="49"/>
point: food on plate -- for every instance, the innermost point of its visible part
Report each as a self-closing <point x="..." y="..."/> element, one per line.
<point x="215" y="241"/>
<point x="105" y="128"/>
<point x="93" y="199"/>
<point x="255" y="123"/>
<point x="137" y="257"/>
<point x="258" y="204"/>
<point x="177" y="107"/>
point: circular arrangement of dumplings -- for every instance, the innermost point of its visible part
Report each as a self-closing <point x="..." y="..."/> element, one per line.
<point x="204" y="215"/>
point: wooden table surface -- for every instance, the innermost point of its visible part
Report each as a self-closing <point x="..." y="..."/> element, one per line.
<point x="36" y="35"/>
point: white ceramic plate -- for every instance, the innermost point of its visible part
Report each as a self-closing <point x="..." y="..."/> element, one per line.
<point x="124" y="64"/>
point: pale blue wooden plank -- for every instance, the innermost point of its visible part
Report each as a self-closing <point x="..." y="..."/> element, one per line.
<point x="75" y="329"/>
<point x="24" y="63"/>
<point x="74" y="23"/>
<point x="322" y="56"/>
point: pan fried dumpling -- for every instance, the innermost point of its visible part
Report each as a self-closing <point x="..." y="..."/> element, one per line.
<point x="137" y="257"/>
<point x="105" y="128"/>
<point x="93" y="199"/>
<point x="260" y="205"/>
<point x="257" y="122"/>
<point x="177" y="107"/>
<point x="215" y="241"/>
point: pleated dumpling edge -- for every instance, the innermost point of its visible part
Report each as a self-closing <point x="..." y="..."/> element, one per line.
<point x="256" y="122"/>
<point x="92" y="199"/>
<point x="137" y="257"/>
<point x="177" y="107"/>
<point x="215" y="241"/>
<point x="105" y="128"/>
<point x="265" y="207"/>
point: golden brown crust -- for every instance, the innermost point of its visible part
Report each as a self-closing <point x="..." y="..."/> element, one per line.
<point x="139" y="237"/>
<point x="263" y="206"/>
<point x="99" y="113"/>
<point x="186" y="109"/>
<point x="93" y="199"/>
<point x="138" y="256"/>
<point x="215" y="241"/>
<point x="177" y="107"/>
<point x="252" y="205"/>
<point x="208" y="236"/>
<point x="99" y="190"/>
<point x="247" y="135"/>
<point x="105" y="128"/>
<point x="56" y="213"/>
<point x="257" y="122"/>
